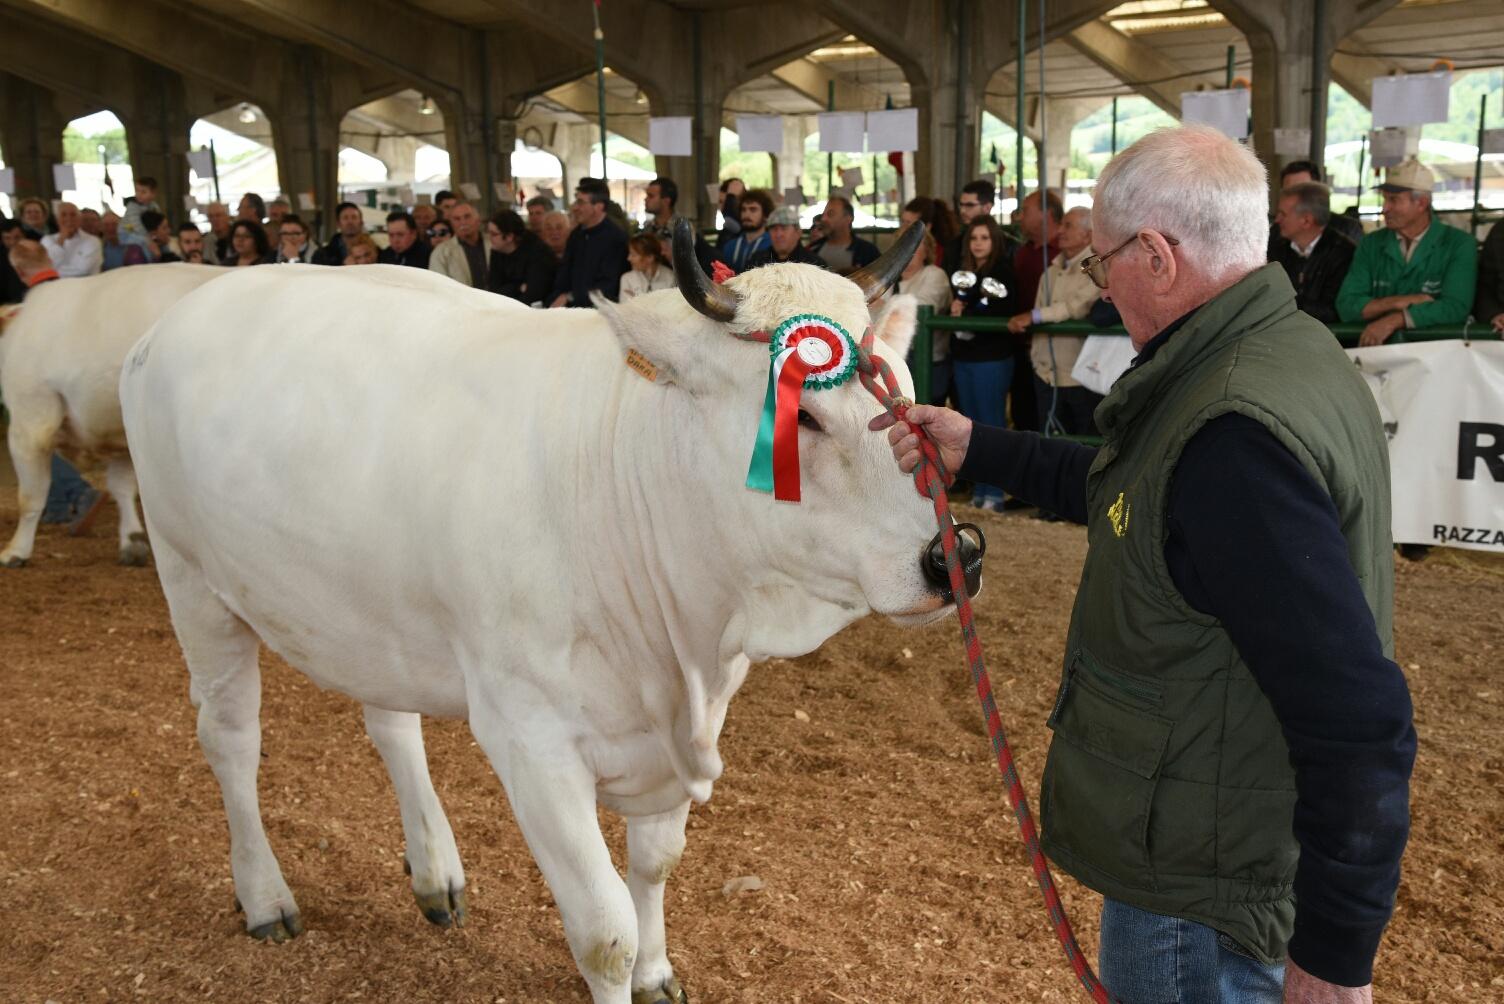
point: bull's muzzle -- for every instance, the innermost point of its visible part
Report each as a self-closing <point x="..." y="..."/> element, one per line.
<point x="971" y="544"/>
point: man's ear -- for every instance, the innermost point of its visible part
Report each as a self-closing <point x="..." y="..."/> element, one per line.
<point x="896" y="325"/>
<point x="1160" y="258"/>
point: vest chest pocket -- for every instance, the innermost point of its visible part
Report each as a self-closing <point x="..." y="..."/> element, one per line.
<point x="1102" y="771"/>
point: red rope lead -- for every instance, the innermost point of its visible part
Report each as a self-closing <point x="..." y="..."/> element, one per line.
<point x="930" y="479"/>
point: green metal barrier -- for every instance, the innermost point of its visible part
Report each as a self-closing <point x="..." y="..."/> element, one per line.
<point x="1346" y="335"/>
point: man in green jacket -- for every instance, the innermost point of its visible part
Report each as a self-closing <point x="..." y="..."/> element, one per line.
<point x="1232" y="738"/>
<point x="1414" y="273"/>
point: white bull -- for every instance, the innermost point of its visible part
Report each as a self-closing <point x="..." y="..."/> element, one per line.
<point x="60" y="357"/>
<point x="440" y="502"/>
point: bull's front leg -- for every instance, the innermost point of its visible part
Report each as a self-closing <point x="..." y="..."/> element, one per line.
<point x="552" y="792"/>
<point x="432" y="858"/>
<point x="654" y="846"/>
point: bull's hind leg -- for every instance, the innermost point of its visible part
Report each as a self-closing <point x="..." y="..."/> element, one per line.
<point x="221" y="651"/>
<point x="432" y="858"/>
<point x="120" y="476"/>
<point x="553" y="798"/>
<point x="33" y="426"/>
<point x="654" y="845"/>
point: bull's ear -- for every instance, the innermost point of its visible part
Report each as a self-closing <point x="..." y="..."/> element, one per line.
<point x="652" y="342"/>
<point x="895" y="326"/>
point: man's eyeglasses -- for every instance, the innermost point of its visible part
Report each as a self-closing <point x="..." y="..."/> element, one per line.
<point x="1095" y="265"/>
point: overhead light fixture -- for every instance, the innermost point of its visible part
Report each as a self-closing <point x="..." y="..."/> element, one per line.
<point x="247" y="114"/>
<point x="425" y="107"/>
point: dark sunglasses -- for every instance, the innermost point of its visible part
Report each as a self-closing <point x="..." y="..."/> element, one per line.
<point x="440" y="232"/>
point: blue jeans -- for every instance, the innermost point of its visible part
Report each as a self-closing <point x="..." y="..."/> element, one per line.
<point x="67" y="494"/>
<point x="1150" y="959"/>
<point x="982" y="389"/>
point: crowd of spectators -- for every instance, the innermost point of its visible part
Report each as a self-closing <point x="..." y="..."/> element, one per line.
<point x="1412" y="272"/>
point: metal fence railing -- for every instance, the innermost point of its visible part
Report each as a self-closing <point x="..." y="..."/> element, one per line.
<point x="930" y="322"/>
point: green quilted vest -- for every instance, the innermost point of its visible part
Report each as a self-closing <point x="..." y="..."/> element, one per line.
<point x="1168" y="784"/>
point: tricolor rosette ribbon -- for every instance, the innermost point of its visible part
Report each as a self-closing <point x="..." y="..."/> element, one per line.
<point x="810" y="352"/>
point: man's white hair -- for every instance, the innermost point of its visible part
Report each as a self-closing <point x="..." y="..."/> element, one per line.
<point x="1082" y="214"/>
<point x="1195" y="184"/>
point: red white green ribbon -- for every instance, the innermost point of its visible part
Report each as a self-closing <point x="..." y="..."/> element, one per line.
<point x="809" y="352"/>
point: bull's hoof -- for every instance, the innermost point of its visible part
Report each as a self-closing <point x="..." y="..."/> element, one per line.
<point x="135" y="552"/>
<point x="13" y="562"/>
<point x="277" y="931"/>
<point x="670" y="993"/>
<point x="443" y="908"/>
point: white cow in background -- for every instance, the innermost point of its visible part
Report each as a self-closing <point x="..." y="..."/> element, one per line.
<point x="440" y="502"/>
<point x="60" y="356"/>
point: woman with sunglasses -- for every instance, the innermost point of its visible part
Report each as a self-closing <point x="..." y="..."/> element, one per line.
<point x="983" y="360"/>
<point x="439" y="233"/>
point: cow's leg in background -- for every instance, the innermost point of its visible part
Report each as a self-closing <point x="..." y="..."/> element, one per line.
<point x="654" y="846"/>
<point x="120" y="477"/>
<point x="34" y="423"/>
<point x="552" y="794"/>
<point x="432" y="858"/>
<point x="225" y="686"/>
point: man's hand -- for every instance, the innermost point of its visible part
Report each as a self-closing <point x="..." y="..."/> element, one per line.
<point x="949" y="430"/>
<point x="1378" y="332"/>
<point x="1498" y="323"/>
<point x="562" y="300"/>
<point x="1303" y="988"/>
<point x="956" y="306"/>
<point x="1019" y="323"/>
<point x="1378" y="307"/>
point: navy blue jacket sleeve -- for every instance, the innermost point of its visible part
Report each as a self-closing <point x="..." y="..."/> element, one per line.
<point x="1050" y="473"/>
<point x="1255" y="541"/>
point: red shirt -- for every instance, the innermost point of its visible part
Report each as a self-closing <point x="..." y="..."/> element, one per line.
<point x="1028" y="266"/>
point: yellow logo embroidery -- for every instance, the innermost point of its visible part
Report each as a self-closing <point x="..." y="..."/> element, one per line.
<point x="1118" y="512"/>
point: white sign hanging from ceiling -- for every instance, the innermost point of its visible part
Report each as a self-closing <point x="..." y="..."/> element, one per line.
<point x="1411" y="99"/>
<point x="896" y="129"/>
<point x="760" y="133"/>
<point x="670" y="136"/>
<point x="1225" y="111"/>
<point x="843" y="132"/>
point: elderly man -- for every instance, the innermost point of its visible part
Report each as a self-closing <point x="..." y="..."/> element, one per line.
<point x="1303" y="172"/>
<point x="465" y="257"/>
<point x="1232" y="739"/>
<point x="217" y="250"/>
<point x="595" y="256"/>
<point x="555" y="232"/>
<point x="785" y="237"/>
<point x="1415" y="272"/>
<point x="90" y="223"/>
<point x="73" y="252"/>
<point x="1067" y="294"/>
<point x="1313" y="253"/>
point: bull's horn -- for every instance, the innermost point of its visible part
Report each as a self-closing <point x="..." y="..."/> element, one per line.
<point x="875" y="279"/>
<point x="716" y="302"/>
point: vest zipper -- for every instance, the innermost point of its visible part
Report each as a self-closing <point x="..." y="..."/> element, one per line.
<point x="1140" y="692"/>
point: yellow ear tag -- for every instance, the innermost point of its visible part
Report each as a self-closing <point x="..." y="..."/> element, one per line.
<point x="642" y="366"/>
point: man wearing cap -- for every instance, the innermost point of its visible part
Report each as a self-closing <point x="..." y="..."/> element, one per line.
<point x="785" y="245"/>
<point x="1416" y="272"/>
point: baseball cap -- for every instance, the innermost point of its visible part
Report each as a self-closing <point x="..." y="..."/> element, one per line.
<point x="1408" y="176"/>
<point x="784" y="216"/>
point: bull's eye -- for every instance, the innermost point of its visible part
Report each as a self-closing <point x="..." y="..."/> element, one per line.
<point x="809" y="421"/>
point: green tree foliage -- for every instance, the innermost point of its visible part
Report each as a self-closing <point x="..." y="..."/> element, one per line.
<point x="78" y="148"/>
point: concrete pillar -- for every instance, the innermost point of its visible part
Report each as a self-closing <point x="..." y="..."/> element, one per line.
<point x="705" y="141"/>
<point x="31" y="135"/>
<point x="156" y="131"/>
<point x="305" y="124"/>
<point x="572" y="144"/>
<point x="1060" y="117"/>
<point x="1288" y="56"/>
<point x="788" y="166"/>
